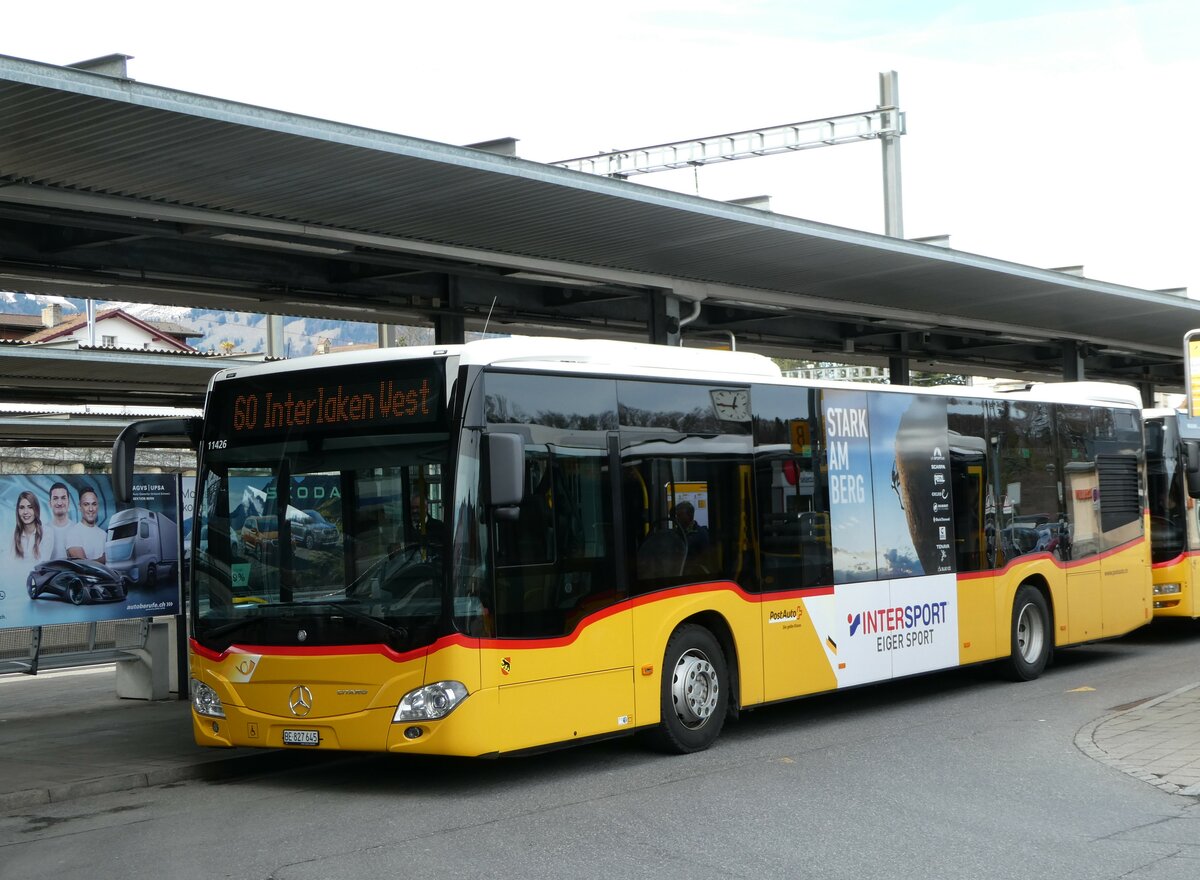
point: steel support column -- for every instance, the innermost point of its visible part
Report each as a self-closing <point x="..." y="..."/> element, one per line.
<point x="1073" y="361"/>
<point x="662" y="323"/>
<point x="893" y="203"/>
<point x="1146" y="388"/>
<point x="449" y="326"/>
<point x="275" y="342"/>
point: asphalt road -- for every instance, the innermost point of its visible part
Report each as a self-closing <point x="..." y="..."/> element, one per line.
<point x="957" y="775"/>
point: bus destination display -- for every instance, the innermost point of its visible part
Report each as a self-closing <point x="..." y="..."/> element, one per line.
<point x="334" y="402"/>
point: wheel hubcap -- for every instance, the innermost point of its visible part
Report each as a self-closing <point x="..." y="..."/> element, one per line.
<point x="694" y="689"/>
<point x="1030" y="633"/>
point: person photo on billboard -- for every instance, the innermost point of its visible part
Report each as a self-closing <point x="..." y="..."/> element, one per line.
<point x="85" y="539"/>
<point x="30" y="544"/>
<point x="60" y="522"/>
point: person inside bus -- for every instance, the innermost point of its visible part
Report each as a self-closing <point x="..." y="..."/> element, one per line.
<point x="695" y="534"/>
<point x="424" y="528"/>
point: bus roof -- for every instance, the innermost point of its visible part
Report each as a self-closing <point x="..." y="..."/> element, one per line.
<point x="648" y="360"/>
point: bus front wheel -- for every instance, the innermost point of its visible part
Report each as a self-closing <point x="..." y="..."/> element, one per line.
<point x="1032" y="635"/>
<point x="695" y="692"/>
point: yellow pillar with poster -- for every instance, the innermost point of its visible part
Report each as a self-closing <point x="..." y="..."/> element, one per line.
<point x="1191" y="365"/>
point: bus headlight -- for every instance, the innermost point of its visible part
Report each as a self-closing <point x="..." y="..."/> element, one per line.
<point x="430" y="702"/>
<point x="205" y="700"/>
<point x="1166" y="589"/>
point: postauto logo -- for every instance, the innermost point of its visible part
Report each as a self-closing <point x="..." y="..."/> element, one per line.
<point x="899" y="626"/>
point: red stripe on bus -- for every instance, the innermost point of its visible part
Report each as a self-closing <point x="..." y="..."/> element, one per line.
<point x="1058" y="563"/>
<point x="802" y="593"/>
<point x="1186" y="554"/>
<point x="314" y="651"/>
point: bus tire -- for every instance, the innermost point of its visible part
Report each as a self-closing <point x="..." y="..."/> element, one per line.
<point x="1032" y="636"/>
<point x="694" y="692"/>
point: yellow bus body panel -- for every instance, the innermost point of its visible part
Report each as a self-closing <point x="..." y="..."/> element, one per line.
<point x="795" y="660"/>
<point x="978" y="634"/>
<point x="1128" y="588"/>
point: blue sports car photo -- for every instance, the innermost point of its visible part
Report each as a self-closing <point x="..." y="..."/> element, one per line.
<point x="80" y="581"/>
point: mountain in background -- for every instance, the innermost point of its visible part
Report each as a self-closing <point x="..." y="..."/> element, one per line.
<point x="247" y="332"/>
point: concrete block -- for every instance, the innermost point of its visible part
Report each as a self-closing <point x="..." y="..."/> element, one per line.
<point x="147" y="676"/>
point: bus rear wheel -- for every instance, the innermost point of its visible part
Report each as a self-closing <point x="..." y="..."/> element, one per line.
<point x="695" y="692"/>
<point x="1032" y="636"/>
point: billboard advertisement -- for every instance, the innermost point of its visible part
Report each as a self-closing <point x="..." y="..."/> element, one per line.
<point x="70" y="554"/>
<point x="893" y="609"/>
<point x="889" y="491"/>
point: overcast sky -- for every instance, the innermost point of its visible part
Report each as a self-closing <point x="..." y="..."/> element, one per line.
<point x="1049" y="133"/>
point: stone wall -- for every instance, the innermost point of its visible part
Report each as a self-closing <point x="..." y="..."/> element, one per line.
<point x="91" y="460"/>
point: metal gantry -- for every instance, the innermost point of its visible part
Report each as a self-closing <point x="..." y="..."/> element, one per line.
<point x="793" y="137"/>
<point x="886" y="123"/>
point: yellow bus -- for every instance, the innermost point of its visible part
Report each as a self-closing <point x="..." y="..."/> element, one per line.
<point x="1173" y="484"/>
<point x="543" y="541"/>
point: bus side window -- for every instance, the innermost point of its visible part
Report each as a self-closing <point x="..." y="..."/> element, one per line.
<point x="974" y="510"/>
<point x="1027" y="481"/>
<point x="553" y="562"/>
<point x="791" y="489"/>
<point x="686" y="484"/>
<point x="1080" y="528"/>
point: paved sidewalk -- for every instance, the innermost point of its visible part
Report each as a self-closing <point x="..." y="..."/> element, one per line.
<point x="1157" y="741"/>
<point x="65" y="734"/>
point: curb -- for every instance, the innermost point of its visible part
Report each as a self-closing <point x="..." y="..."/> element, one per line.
<point x="221" y="768"/>
<point x="1086" y="743"/>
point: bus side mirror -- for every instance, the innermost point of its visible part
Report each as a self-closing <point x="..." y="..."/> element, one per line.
<point x="126" y="446"/>
<point x="506" y="467"/>
<point x="1191" y="466"/>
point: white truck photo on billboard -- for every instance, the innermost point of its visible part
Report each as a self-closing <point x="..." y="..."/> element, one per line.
<point x="142" y="546"/>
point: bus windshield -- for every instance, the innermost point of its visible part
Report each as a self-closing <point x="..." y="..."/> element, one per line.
<point x="321" y="533"/>
<point x="1166" y="494"/>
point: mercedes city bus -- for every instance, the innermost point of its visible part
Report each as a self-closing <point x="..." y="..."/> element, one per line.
<point x="547" y="541"/>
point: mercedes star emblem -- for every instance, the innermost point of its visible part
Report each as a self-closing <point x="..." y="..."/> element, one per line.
<point x="300" y="701"/>
<point x="302" y="635"/>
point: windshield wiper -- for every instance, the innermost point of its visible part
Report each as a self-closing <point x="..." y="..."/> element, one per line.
<point x="398" y="631"/>
<point x="265" y="615"/>
<point x="220" y="632"/>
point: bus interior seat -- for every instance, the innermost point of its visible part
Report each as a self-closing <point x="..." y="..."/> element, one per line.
<point x="662" y="555"/>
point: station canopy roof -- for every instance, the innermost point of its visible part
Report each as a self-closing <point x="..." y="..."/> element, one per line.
<point x="118" y="190"/>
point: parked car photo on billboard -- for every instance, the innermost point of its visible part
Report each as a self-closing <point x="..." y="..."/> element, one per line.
<point x="311" y="530"/>
<point x="259" y="536"/>
<point x="78" y="581"/>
